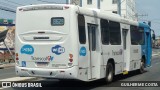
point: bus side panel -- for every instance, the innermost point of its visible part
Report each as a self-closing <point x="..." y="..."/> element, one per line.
<point x="113" y="52"/>
<point x="83" y="58"/>
<point x="135" y="58"/>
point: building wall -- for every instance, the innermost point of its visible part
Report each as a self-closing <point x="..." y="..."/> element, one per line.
<point x="127" y="7"/>
<point x="93" y="5"/>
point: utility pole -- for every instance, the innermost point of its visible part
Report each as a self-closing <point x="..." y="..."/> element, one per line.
<point x="119" y="7"/>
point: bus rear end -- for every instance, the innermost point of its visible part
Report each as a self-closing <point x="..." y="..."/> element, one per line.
<point x="42" y="42"/>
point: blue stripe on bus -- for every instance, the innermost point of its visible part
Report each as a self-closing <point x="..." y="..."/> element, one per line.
<point x="147" y="48"/>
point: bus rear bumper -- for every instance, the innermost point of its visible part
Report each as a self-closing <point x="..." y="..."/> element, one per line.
<point x="69" y="73"/>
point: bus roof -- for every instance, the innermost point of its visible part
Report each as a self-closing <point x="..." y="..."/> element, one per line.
<point x="81" y="10"/>
<point x="143" y="24"/>
<point x="105" y="15"/>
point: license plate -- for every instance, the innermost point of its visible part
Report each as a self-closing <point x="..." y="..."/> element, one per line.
<point x="42" y="64"/>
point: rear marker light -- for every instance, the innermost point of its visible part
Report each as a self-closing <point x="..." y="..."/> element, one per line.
<point x="17" y="58"/>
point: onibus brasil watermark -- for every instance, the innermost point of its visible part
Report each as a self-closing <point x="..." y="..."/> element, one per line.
<point x="20" y="84"/>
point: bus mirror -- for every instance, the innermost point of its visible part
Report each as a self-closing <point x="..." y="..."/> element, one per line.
<point x="153" y="36"/>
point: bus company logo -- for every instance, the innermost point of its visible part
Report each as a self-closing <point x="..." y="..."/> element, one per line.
<point x="58" y="50"/>
<point x="48" y="58"/>
<point x="120" y="52"/>
<point x="27" y="49"/>
<point x="83" y="51"/>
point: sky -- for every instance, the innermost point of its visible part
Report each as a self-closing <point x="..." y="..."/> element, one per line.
<point x="147" y="8"/>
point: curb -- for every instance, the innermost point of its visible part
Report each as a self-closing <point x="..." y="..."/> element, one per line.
<point x="2" y="66"/>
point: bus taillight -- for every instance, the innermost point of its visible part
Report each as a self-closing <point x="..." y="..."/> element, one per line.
<point x="17" y="62"/>
<point x="17" y="57"/>
<point x="70" y="56"/>
<point x="16" y="54"/>
<point x="70" y="59"/>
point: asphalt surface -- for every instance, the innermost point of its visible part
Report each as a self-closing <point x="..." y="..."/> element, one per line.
<point x="7" y="73"/>
<point x="152" y="74"/>
<point x="155" y="50"/>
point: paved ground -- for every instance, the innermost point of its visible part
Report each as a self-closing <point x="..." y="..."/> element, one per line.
<point x="155" y="52"/>
<point x="7" y="73"/>
<point x="152" y="74"/>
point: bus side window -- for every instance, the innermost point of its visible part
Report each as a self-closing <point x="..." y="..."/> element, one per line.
<point x="104" y="32"/>
<point x="142" y="38"/>
<point x="81" y="29"/>
<point x="137" y="35"/>
<point x="115" y="34"/>
<point x="133" y="35"/>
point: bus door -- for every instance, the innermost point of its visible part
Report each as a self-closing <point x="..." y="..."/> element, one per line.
<point x="125" y="47"/>
<point x="92" y="40"/>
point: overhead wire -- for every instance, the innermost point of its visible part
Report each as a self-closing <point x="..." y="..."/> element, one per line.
<point x="7" y="9"/>
<point x="7" y="4"/>
<point x="45" y="1"/>
<point x="14" y="2"/>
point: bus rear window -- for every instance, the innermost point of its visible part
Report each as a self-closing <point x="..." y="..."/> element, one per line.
<point x="57" y="21"/>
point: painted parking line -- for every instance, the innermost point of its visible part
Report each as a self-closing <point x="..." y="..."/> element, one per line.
<point x="155" y="54"/>
<point x="2" y="66"/>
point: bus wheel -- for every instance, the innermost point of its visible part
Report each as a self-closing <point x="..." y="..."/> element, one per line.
<point x="109" y="73"/>
<point x="141" y="70"/>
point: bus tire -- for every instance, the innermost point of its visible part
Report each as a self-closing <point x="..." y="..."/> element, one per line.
<point x="109" y="73"/>
<point x="142" y="66"/>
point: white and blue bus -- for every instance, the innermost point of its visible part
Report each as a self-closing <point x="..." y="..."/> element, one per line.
<point x="71" y="42"/>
